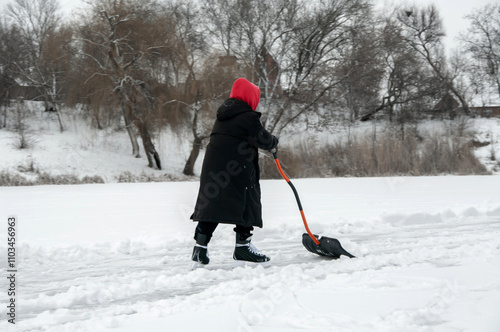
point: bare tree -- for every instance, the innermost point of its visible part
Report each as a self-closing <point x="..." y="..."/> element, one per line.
<point x="407" y="80"/>
<point x="212" y="89"/>
<point x="314" y="64"/>
<point x="38" y="22"/>
<point x="293" y="49"/>
<point x="94" y="92"/>
<point x="196" y="97"/>
<point x="222" y="21"/>
<point x="35" y="19"/>
<point x="423" y="31"/>
<point x="363" y="65"/>
<point x="128" y="40"/>
<point x="257" y="33"/>
<point x="9" y="55"/>
<point x="482" y="42"/>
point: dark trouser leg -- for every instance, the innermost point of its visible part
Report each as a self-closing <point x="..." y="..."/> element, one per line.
<point x="243" y="234"/>
<point x="204" y="231"/>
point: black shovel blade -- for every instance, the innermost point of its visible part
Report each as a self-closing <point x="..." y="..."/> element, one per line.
<point x="328" y="246"/>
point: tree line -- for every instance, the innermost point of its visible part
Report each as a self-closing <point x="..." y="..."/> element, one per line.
<point x="154" y="64"/>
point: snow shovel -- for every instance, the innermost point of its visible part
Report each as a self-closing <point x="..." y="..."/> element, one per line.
<point x="323" y="246"/>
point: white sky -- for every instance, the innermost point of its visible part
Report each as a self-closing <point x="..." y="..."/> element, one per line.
<point x="452" y="12"/>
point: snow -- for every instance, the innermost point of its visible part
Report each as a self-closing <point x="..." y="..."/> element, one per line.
<point x="488" y="131"/>
<point x="115" y="257"/>
<point x="86" y="151"/>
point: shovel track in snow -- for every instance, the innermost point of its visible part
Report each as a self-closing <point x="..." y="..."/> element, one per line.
<point x="95" y="283"/>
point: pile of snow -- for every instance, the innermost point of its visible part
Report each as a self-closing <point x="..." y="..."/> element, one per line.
<point x="115" y="257"/>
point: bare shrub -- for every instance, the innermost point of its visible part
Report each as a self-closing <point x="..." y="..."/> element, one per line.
<point x="128" y="177"/>
<point x="493" y="155"/>
<point x="24" y="137"/>
<point x="10" y="180"/>
<point x="23" y="140"/>
<point x="49" y="179"/>
<point x="461" y="126"/>
<point x="28" y="166"/>
<point x="388" y="153"/>
<point x="92" y="179"/>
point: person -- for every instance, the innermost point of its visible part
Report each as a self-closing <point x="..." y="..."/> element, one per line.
<point x="229" y="191"/>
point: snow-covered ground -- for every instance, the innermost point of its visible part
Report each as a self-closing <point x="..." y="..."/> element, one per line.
<point x="86" y="151"/>
<point x="488" y="131"/>
<point x="115" y="257"/>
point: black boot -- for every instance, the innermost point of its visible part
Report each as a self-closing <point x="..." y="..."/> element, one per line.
<point x="246" y="252"/>
<point x="200" y="251"/>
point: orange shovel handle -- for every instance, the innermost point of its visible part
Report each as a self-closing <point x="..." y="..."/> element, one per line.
<point x="275" y="155"/>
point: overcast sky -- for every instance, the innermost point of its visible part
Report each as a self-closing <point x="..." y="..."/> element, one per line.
<point x="452" y="12"/>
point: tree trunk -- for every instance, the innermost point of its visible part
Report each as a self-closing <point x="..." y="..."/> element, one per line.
<point x="369" y="115"/>
<point x="5" y="109"/>
<point x="189" y="167"/>
<point x="149" y="148"/>
<point x="129" y="103"/>
<point x="61" y="128"/>
<point x="50" y="94"/>
<point x="465" y="105"/>
<point x="131" y="91"/>
<point x="198" y="140"/>
<point x="133" y="138"/>
<point x="98" y="120"/>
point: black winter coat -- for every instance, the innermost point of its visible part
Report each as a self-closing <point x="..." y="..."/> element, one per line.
<point x="229" y="183"/>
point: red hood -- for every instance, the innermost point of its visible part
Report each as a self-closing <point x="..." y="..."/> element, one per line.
<point x="245" y="91"/>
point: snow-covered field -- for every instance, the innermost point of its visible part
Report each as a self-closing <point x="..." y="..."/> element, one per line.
<point x="115" y="257"/>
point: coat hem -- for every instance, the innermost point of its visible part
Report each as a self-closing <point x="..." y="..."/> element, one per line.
<point x="229" y="222"/>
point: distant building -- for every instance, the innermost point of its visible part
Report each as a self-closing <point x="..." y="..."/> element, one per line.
<point x="264" y="64"/>
<point x="267" y="66"/>
<point x="228" y="68"/>
<point x="486" y="111"/>
<point x="227" y="61"/>
<point x="448" y="105"/>
<point x="26" y="92"/>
